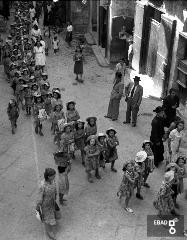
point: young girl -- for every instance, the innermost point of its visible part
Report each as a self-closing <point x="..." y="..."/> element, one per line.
<point x="126" y="188"/>
<point x="13" y="114"/>
<point x="181" y="161"/>
<point x="80" y="138"/>
<point x="72" y="114"/>
<point x="140" y="168"/>
<point x="47" y="103"/>
<point x="20" y="92"/>
<point x="56" y="99"/>
<point x="175" y="183"/>
<point x="55" y="43"/>
<point x="25" y="75"/>
<point x="149" y="162"/>
<point x="164" y="202"/>
<point x="102" y="145"/>
<point x="174" y="141"/>
<point x="38" y="105"/>
<point x="35" y="89"/>
<point x="67" y="140"/>
<point x="57" y="115"/>
<point x="92" y="158"/>
<point x="38" y="73"/>
<point x="63" y="183"/>
<point x="91" y="127"/>
<point x="28" y="99"/>
<point x="172" y="126"/>
<point x="112" y="143"/>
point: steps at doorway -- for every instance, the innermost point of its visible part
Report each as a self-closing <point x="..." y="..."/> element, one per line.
<point x="102" y="61"/>
<point x="89" y="39"/>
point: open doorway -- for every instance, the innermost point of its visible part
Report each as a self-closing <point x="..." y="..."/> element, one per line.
<point x="103" y="26"/>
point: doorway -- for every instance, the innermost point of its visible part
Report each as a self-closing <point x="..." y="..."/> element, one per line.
<point x="103" y="26"/>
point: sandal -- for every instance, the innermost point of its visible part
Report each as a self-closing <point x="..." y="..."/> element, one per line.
<point x="129" y="210"/>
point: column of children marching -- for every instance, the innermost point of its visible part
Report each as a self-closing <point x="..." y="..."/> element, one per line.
<point x="31" y="89"/>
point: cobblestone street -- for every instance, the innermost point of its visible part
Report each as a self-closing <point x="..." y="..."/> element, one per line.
<point x="93" y="211"/>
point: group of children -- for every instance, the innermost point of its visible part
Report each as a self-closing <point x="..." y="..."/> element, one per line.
<point x="32" y="91"/>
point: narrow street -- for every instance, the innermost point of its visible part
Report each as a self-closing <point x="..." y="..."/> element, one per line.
<point x="93" y="210"/>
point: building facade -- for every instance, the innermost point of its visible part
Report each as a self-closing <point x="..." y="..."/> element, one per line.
<point x="107" y="18"/>
<point x="160" y="45"/>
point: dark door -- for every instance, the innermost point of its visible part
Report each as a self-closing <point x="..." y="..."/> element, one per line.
<point x="102" y="27"/>
<point x="152" y="48"/>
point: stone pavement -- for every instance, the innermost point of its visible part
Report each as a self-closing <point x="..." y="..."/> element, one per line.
<point x="93" y="210"/>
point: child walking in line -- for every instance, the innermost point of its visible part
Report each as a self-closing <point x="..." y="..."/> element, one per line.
<point x="112" y="143"/>
<point x="28" y="99"/>
<point x="80" y="138"/>
<point x="37" y="108"/>
<point x="72" y="114"/>
<point x="149" y="162"/>
<point x="92" y="158"/>
<point x="140" y="169"/>
<point x="13" y="114"/>
<point x="55" y="44"/>
<point x="91" y="127"/>
<point x="126" y="188"/>
<point x="63" y="183"/>
<point x="102" y="145"/>
<point x="174" y="141"/>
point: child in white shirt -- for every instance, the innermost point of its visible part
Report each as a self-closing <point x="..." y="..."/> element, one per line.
<point x="55" y="43"/>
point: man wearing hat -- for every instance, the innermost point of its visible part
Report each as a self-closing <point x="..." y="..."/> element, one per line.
<point x="157" y="133"/>
<point x="134" y="95"/>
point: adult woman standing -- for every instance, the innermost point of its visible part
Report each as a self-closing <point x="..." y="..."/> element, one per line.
<point x="115" y="98"/>
<point x="39" y="52"/>
<point x="46" y="202"/>
<point x="78" y="66"/>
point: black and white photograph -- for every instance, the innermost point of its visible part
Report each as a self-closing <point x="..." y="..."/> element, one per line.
<point x="93" y="106"/>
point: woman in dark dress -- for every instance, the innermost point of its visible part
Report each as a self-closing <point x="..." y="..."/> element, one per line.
<point x="157" y="133"/>
<point x="78" y="66"/>
<point x="170" y="104"/>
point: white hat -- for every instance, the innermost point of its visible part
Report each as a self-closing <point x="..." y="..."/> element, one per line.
<point x="168" y="176"/>
<point x="141" y="156"/>
<point x="101" y="135"/>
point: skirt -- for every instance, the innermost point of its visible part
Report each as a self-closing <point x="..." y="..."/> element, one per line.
<point x="78" y="67"/>
<point x="91" y="163"/>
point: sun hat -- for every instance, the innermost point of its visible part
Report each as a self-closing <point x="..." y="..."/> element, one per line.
<point x="44" y="74"/>
<point x="181" y="157"/>
<point x="110" y="129"/>
<point x="67" y="125"/>
<point x="146" y="141"/>
<point x="56" y="91"/>
<point x="101" y="135"/>
<point x="32" y="77"/>
<point x="172" y="164"/>
<point x="91" y="137"/>
<point x="168" y="176"/>
<point x="37" y="95"/>
<point x="70" y="102"/>
<point x="140" y="156"/>
<point x="88" y="119"/>
<point x="158" y="109"/>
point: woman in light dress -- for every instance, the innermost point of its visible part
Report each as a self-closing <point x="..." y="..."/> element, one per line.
<point x="46" y="203"/>
<point x="174" y="141"/>
<point x="39" y="52"/>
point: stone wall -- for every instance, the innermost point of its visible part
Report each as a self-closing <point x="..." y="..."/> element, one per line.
<point x="80" y="16"/>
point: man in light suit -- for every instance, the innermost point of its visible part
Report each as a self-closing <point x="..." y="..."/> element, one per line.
<point x="134" y="93"/>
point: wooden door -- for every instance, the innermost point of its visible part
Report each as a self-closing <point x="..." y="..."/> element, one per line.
<point x="152" y="48"/>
